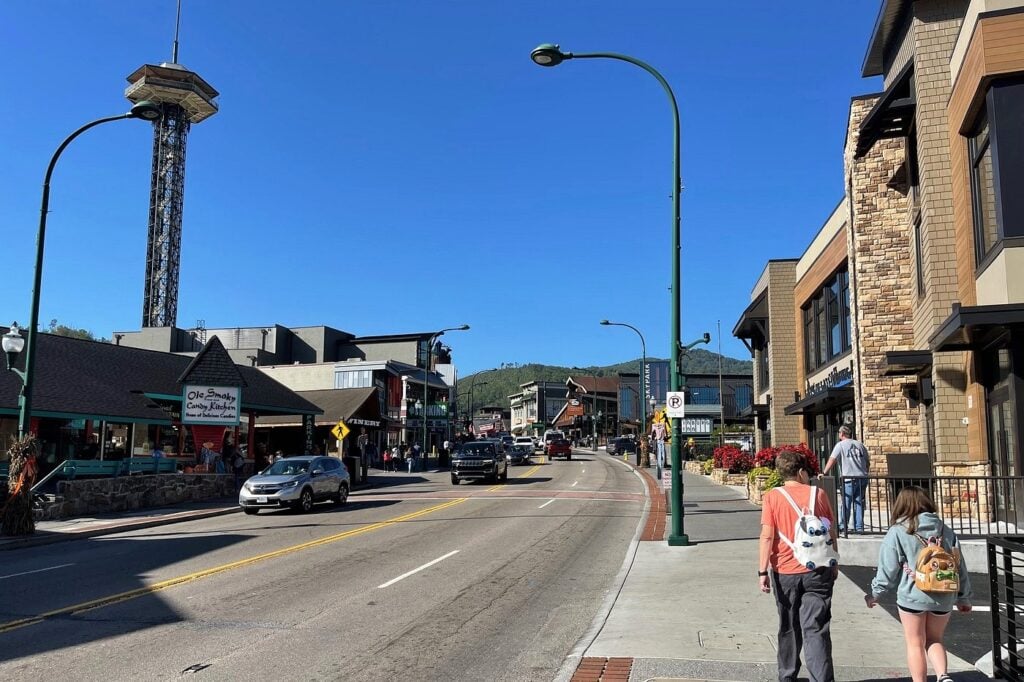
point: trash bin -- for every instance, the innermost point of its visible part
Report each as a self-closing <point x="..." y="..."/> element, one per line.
<point x="354" y="471"/>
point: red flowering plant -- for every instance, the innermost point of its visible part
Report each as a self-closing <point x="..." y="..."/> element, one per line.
<point x="732" y="458"/>
<point x="765" y="457"/>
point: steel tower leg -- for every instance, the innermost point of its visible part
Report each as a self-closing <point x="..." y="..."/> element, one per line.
<point x="163" y="256"/>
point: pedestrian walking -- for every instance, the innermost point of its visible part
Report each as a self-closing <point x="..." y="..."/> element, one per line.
<point x="853" y="467"/>
<point x="417" y="457"/>
<point x="411" y="460"/>
<point x="803" y="589"/>
<point x="920" y="558"/>
<point x="659" y="432"/>
<point x="387" y="460"/>
<point x="238" y="468"/>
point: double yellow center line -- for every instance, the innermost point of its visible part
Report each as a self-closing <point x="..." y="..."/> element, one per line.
<point x="199" y="575"/>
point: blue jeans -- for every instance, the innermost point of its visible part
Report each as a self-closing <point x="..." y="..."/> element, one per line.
<point x="853" y="495"/>
<point x="660" y="444"/>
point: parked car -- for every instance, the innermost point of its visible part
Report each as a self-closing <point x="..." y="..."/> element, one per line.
<point x="558" y="447"/>
<point x="519" y="453"/>
<point x="621" y="445"/>
<point x="479" y="459"/>
<point x="296" y="482"/>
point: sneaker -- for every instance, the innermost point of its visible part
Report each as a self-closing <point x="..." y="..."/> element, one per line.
<point x="944" y="678"/>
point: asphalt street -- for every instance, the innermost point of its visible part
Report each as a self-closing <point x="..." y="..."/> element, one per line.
<point x="416" y="579"/>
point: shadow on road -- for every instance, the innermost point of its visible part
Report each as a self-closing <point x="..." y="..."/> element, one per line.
<point x="113" y="578"/>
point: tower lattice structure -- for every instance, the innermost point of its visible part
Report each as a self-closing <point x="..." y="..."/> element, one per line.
<point x="184" y="99"/>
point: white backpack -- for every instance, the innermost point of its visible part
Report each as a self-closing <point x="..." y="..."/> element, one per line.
<point x="812" y="542"/>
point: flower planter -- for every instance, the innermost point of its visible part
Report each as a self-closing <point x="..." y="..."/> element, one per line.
<point x="723" y="477"/>
<point x="694" y="467"/>
<point x="755" y="489"/>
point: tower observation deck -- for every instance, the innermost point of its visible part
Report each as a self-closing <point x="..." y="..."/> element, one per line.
<point x="184" y="99"/>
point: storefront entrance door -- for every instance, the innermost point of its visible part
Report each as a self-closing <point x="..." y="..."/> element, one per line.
<point x="1004" y="438"/>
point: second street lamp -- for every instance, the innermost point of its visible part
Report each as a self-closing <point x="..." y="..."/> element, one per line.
<point x="551" y="55"/>
<point x="426" y="384"/>
<point x="144" y="110"/>
<point x="643" y="385"/>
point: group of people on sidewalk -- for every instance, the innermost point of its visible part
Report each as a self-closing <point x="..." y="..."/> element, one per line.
<point x="798" y="561"/>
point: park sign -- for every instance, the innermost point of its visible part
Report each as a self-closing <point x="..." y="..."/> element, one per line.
<point x="211" y="405"/>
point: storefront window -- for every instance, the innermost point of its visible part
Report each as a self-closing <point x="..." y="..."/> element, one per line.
<point x="360" y="378"/>
<point x="826" y="323"/>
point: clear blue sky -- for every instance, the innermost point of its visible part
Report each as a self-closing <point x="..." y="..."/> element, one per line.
<point x="386" y="167"/>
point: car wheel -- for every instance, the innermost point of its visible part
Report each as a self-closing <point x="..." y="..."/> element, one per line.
<point x="342" y="496"/>
<point x="455" y="479"/>
<point x="305" y="503"/>
<point x="250" y="511"/>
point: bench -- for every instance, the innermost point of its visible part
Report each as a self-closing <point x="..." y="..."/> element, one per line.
<point x="89" y="467"/>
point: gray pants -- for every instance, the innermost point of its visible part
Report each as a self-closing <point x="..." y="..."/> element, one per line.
<point x="805" y="614"/>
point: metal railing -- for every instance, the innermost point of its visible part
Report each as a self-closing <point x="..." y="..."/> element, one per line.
<point x="1006" y="583"/>
<point x="972" y="506"/>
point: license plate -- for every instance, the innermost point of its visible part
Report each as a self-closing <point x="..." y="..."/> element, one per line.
<point x="261" y="500"/>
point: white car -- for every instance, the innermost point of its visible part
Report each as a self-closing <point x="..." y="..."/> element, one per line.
<point x="526" y="440"/>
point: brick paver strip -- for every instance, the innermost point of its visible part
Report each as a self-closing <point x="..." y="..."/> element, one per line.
<point x="596" y="669"/>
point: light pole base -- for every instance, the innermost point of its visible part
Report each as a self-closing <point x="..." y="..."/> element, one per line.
<point x="678" y="541"/>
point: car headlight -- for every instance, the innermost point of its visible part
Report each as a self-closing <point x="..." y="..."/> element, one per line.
<point x="248" y="487"/>
<point x="289" y="484"/>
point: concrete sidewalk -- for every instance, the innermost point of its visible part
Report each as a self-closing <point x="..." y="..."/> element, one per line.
<point x="697" y="613"/>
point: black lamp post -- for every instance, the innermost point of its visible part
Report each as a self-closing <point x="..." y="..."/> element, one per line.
<point x="145" y="110"/>
<point x="426" y="380"/>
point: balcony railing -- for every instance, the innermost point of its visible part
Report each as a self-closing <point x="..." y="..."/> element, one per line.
<point x="972" y="506"/>
<point x="1006" y="586"/>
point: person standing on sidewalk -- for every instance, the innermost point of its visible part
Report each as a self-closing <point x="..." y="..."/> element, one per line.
<point x="803" y="596"/>
<point x="659" y="432"/>
<point x="853" y="466"/>
<point x="924" y="615"/>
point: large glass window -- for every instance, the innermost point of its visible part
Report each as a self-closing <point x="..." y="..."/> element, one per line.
<point x="361" y="378"/>
<point x="983" y="193"/>
<point x="763" y="379"/>
<point x="826" y="323"/>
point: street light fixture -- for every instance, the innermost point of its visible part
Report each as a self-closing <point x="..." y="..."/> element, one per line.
<point x="13" y="344"/>
<point x="426" y="379"/>
<point x="551" y="55"/>
<point x="145" y="111"/>
<point x="643" y="384"/>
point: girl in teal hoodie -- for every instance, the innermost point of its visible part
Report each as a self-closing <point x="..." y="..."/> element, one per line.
<point x="924" y="615"/>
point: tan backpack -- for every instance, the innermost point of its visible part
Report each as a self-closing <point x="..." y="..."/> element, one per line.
<point x="936" y="569"/>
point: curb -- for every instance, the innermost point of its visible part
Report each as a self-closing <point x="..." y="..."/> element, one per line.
<point x="114" y="527"/>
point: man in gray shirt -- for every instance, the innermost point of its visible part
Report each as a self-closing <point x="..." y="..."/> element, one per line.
<point x="853" y="467"/>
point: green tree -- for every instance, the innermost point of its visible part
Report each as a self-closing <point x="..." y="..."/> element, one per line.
<point x="63" y="330"/>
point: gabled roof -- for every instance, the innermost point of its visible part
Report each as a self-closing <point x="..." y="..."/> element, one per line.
<point x="336" y="403"/>
<point x="595" y="384"/>
<point x="76" y="378"/>
<point x="212" y="366"/>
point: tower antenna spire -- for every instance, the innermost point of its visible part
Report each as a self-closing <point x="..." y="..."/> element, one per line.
<point x="177" y="26"/>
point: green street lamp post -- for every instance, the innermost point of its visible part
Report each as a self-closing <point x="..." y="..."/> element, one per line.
<point x="551" y="55"/>
<point x="643" y="384"/>
<point x="426" y="380"/>
<point x="145" y="110"/>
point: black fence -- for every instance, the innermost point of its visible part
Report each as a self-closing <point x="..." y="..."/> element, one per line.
<point x="973" y="506"/>
<point x="1006" y="580"/>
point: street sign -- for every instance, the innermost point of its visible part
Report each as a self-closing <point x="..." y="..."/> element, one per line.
<point x="666" y="479"/>
<point x="340" y="430"/>
<point x="698" y="425"/>
<point x="675" y="405"/>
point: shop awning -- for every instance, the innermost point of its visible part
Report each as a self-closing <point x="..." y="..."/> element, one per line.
<point x="900" y="363"/>
<point x="356" y="406"/>
<point x="968" y="328"/>
<point x="756" y="409"/>
<point x="753" y="323"/>
<point x="822" y="401"/>
<point x="893" y="114"/>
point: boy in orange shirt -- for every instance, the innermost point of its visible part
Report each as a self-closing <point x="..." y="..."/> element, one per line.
<point x="803" y="596"/>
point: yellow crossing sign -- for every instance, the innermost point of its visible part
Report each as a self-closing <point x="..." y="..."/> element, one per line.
<point x="340" y="430"/>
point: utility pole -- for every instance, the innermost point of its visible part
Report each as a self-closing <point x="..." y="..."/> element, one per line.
<point x="721" y="393"/>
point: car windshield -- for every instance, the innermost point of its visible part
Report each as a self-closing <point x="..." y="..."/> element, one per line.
<point x="286" y="467"/>
<point x="478" y="449"/>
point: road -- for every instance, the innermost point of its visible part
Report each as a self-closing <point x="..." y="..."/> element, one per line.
<point x="417" y="579"/>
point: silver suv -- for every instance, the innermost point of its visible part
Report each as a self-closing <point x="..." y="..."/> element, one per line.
<point x="296" y="482"/>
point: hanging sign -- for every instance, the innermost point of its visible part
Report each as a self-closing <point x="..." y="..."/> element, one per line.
<point x="211" y="405"/>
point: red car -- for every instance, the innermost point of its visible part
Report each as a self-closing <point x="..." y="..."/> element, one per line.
<point x="558" y="447"/>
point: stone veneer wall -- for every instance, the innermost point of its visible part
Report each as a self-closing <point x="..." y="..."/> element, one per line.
<point x="934" y="29"/>
<point x="782" y="353"/>
<point x="123" y="493"/>
<point x="881" y="283"/>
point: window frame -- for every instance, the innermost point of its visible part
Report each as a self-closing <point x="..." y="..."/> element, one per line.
<point x="817" y="322"/>
<point x="978" y="144"/>
<point x="919" y="257"/>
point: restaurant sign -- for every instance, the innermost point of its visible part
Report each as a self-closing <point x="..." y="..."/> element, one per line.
<point x="211" y="405"/>
<point x="837" y="378"/>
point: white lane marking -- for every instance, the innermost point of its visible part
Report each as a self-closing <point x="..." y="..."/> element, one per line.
<point x="574" y="484"/>
<point x="546" y="503"/>
<point x="983" y="609"/>
<point x="416" y="570"/>
<point x="584" y="471"/>
<point x="40" y="570"/>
